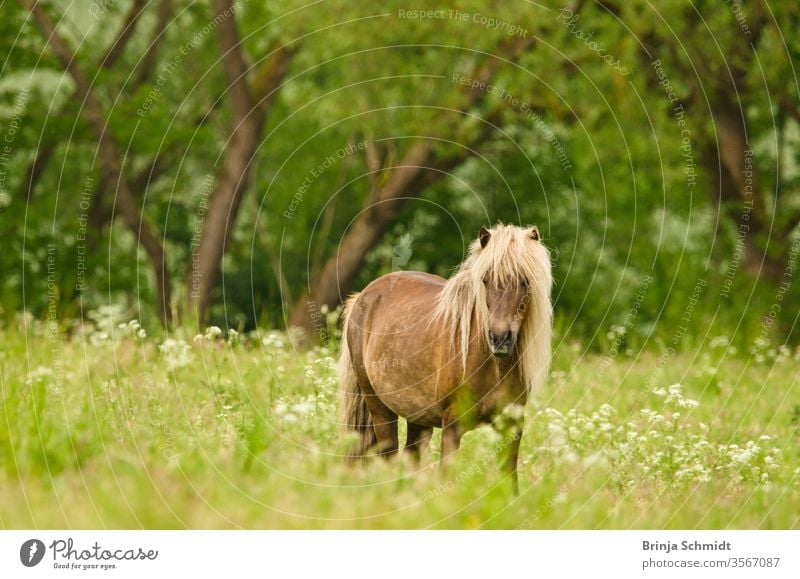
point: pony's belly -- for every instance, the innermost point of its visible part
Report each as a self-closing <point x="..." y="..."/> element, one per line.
<point x="411" y="394"/>
<point x="417" y="410"/>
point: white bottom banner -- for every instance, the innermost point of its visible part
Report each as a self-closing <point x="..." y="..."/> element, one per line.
<point x="401" y="554"/>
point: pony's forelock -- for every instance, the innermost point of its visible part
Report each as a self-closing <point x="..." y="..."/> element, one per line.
<point x="510" y="255"/>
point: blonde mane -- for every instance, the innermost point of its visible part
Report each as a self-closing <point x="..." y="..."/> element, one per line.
<point x="510" y="255"/>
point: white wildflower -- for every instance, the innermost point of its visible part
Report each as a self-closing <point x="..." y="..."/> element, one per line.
<point x="39" y="373"/>
<point x="514" y="411"/>
<point x="719" y="342"/>
<point x="213" y="332"/>
<point x="303" y="408"/>
<point x="552" y="413"/>
<point x="176" y="353"/>
<point x="596" y="459"/>
<point x="570" y="457"/>
<point x="607" y="410"/>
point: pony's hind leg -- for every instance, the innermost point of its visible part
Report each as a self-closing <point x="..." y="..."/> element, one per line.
<point x="384" y="423"/>
<point x="418" y="438"/>
<point x="366" y="441"/>
<point x="386" y="433"/>
<point x="380" y="428"/>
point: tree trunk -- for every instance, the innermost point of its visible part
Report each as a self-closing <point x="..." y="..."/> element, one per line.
<point x="249" y="116"/>
<point x="731" y="164"/>
<point x="369" y="227"/>
<point x="223" y="209"/>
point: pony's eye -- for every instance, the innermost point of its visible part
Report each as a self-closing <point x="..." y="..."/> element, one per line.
<point x="486" y="281"/>
<point x="525" y="282"/>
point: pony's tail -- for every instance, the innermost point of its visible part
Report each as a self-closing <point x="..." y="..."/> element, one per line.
<point x="354" y="414"/>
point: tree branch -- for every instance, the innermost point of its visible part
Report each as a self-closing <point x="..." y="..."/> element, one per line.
<point x="38" y="166"/>
<point x="233" y="59"/>
<point x="117" y="47"/>
<point x="150" y="59"/>
<point x="267" y="82"/>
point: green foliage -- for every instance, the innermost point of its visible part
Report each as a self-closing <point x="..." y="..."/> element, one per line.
<point x="589" y="152"/>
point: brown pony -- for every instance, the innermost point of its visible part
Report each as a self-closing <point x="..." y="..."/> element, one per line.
<point x="447" y="353"/>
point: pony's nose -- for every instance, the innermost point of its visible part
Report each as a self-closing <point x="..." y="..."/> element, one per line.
<point x="500" y="340"/>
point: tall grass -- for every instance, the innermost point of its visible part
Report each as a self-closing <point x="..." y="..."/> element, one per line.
<point x="111" y="428"/>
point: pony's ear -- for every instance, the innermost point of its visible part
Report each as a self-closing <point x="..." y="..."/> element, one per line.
<point x="534" y="233"/>
<point x="484" y="235"/>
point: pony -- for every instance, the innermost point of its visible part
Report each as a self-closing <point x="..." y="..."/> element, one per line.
<point x="448" y="353"/>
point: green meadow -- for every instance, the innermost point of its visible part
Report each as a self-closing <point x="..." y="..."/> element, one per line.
<point x="111" y="428"/>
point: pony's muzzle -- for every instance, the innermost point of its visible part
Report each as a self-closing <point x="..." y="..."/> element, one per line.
<point x="501" y="343"/>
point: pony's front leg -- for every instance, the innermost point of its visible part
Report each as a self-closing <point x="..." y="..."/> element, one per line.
<point x="417" y="438"/>
<point x="451" y="433"/>
<point x="509" y="424"/>
<point x="513" y="457"/>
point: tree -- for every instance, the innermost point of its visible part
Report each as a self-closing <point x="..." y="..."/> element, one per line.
<point x="717" y="59"/>
<point x="110" y="154"/>
<point x="250" y="103"/>
<point x="422" y="165"/>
